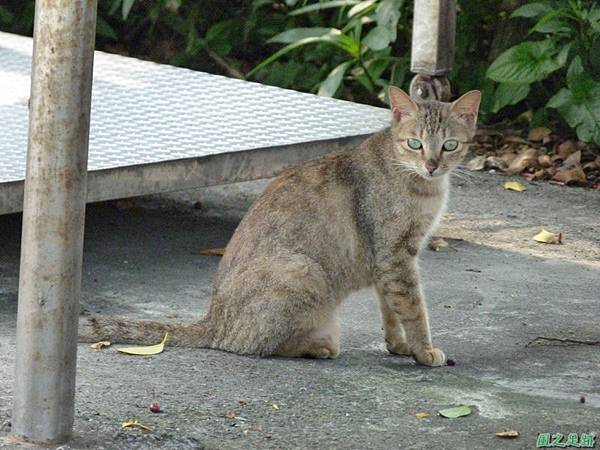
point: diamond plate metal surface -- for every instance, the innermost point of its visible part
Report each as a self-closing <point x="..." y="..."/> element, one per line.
<point x="144" y="112"/>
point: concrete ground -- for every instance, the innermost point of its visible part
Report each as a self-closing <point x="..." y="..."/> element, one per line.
<point x="491" y="293"/>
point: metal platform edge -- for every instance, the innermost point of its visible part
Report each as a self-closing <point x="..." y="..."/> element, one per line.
<point x="189" y="173"/>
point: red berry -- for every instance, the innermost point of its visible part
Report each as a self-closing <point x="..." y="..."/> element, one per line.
<point x="582" y="399"/>
<point x="451" y="362"/>
<point x="154" y="407"/>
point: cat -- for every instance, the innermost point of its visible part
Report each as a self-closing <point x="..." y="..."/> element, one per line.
<point x="323" y="229"/>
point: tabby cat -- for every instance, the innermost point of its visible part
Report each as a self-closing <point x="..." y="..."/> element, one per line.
<point x="323" y="229"/>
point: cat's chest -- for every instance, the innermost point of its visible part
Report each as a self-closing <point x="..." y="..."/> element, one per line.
<point x="415" y="217"/>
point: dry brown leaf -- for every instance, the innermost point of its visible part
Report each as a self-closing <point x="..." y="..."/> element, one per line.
<point x="213" y="251"/>
<point x="547" y="237"/>
<point x="527" y="158"/>
<point x="545" y="161"/>
<point x="540" y="174"/>
<point x="421" y="415"/>
<point x="538" y="134"/>
<point x="477" y="163"/>
<point x="576" y="175"/>
<point x="507" y="434"/>
<point x="574" y="159"/>
<point x="515" y="140"/>
<point x="514" y="186"/>
<point x="229" y="414"/>
<point x="595" y="164"/>
<point x="437" y="243"/>
<point x="493" y="162"/>
<point x="529" y="176"/>
<point x="99" y="345"/>
<point x="487" y="132"/>
<point x="508" y="157"/>
<point x="564" y="149"/>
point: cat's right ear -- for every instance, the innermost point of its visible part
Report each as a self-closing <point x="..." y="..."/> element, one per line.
<point x="401" y="103"/>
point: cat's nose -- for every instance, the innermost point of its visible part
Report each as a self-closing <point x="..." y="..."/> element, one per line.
<point x="430" y="166"/>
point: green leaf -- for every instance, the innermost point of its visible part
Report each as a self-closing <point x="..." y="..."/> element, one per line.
<point x="5" y="15"/>
<point x="324" y="5"/>
<point x="564" y="102"/>
<point x="256" y="4"/>
<point x="579" y="105"/>
<point x="457" y="411"/>
<point x="563" y="54"/>
<point x="114" y="7"/>
<point x="105" y="30"/>
<point x="552" y="22"/>
<point x="509" y="94"/>
<point x="579" y="81"/>
<point x="531" y="10"/>
<point x="330" y="85"/>
<point x="221" y="36"/>
<point x="341" y="41"/>
<point x="295" y="34"/>
<point x="360" y="7"/>
<point x="378" y="38"/>
<point x="388" y="14"/>
<point x="126" y="7"/>
<point x="524" y="63"/>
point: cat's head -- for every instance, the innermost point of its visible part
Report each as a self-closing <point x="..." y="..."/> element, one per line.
<point x="431" y="138"/>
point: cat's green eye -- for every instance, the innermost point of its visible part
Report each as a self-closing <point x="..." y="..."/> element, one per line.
<point x="415" y="144"/>
<point x="450" y="144"/>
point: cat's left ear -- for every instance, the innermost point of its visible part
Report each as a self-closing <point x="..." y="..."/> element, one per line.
<point x="467" y="107"/>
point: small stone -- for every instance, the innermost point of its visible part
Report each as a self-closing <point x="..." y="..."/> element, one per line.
<point x="582" y="399"/>
<point x="450" y="362"/>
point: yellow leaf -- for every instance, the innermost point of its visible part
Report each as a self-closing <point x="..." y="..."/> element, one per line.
<point x="133" y="423"/>
<point x="421" y="415"/>
<point x="99" y="345"/>
<point x="146" y="350"/>
<point x="213" y="251"/>
<point x="514" y="186"/>
<point x="274" y="405"/>
<point x="507" y="434"/>
<point x="546" y="237"/>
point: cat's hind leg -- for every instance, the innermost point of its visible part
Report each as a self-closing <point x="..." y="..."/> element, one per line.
<point x="280" y="305"/>
<point x="322" y="342"/>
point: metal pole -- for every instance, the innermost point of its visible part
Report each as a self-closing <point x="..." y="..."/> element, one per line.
<point x="53" y="220"/>
<point x="434" y="23"/>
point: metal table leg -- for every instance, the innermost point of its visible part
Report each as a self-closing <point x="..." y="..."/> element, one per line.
<point x="432" y="48"/>
<point x="53" y="220"/>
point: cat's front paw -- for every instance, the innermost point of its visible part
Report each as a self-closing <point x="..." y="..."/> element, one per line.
<point x="433" y="357"/>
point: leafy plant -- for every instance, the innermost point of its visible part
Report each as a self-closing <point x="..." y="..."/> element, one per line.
<point x="358" y="37"/>
<point x="558" y="68"/>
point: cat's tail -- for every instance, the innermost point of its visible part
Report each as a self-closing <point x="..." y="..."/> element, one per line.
<point x="130" y="331"/>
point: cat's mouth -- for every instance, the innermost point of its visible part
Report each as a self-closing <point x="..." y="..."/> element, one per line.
<point x="438" y="173"/>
